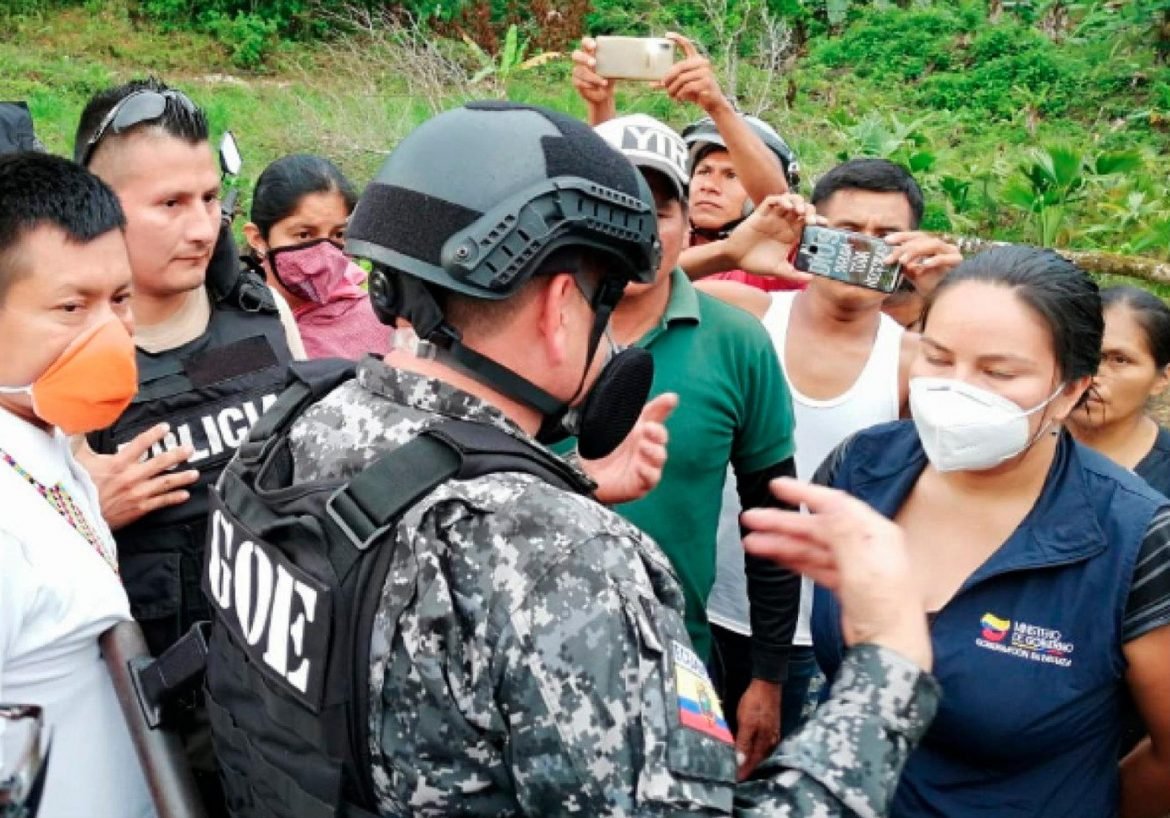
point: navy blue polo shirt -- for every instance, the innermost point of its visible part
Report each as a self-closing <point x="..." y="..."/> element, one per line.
<point x="1029" y="650"/>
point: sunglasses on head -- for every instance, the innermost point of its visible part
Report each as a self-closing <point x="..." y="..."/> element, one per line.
<point x="131" y="110"/>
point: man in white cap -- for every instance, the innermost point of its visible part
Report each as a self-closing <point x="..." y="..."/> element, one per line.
<point x="734" y="409"/>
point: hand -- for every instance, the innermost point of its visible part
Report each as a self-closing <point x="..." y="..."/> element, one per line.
<point x="591" y="86"/>
<point x="849" y="548"/>
<point x="634" y="468"/>
<point x="692" y="79"/>
<point x="925" y="259"/>
<point x="763" y="243"/>
<point x="129" y="489"/>
<point x="758" y="728"/>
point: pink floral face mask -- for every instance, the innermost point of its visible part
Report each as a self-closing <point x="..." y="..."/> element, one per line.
<point x="316" y="271"/>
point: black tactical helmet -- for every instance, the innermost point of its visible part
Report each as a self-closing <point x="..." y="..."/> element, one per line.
<point x="476" y="199"/>
<point x="702" y="135"/>
<point x="473" y="201"/>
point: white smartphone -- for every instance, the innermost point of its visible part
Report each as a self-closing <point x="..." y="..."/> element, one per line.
<point x="634" y="58"/>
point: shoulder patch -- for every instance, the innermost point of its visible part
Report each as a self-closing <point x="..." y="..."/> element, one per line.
<point x="698" y="705"/>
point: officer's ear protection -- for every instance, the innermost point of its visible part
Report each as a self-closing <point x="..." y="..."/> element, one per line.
<point x="394" y="295"/>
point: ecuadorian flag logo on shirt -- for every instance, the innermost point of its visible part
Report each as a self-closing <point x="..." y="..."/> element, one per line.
<point x="994" y="628"/>
<point x="698" y="706"/>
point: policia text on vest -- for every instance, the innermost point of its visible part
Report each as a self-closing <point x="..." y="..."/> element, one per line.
<point x="215" y="433"/>
<point x="210" y="392"/>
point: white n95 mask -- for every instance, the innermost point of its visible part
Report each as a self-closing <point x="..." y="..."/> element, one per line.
<point x="965" y="428"/>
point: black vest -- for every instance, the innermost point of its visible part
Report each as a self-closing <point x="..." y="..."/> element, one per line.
<point x="295" y="575"/>
<point x="211" y="391"/>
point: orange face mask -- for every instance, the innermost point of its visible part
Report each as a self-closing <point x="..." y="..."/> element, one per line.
<point x="92" y="382"/>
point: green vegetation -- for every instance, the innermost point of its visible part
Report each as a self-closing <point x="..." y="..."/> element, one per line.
<point x="1045" y="121"/>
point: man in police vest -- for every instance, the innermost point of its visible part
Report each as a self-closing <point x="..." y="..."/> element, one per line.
<point x="212" y="355"/>
<point x="419" y="610"/>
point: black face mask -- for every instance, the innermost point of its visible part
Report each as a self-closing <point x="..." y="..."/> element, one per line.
<point x="609" y="411"/>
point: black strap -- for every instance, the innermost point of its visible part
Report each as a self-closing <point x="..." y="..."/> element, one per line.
<point x="367" y="505"/>
<point x="484" y="369"/>
<point x="308" y="382"/>
<point x="371" y="502"/>
<point x="487" y="449"/>
<point x="176" y="670"/>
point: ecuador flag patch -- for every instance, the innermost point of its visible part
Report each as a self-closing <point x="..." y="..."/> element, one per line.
<point x="698" y="706"/>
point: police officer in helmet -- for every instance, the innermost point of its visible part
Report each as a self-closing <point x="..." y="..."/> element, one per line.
<point x="419" y="610"/>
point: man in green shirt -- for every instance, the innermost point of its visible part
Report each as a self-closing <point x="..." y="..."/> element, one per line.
<point x="734" y="408"/>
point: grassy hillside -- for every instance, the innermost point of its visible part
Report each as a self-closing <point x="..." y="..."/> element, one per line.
<point x="1015" y="135"/>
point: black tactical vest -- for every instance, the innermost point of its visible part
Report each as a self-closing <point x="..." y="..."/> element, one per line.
<point x="295" y="575"/>
<point x="211" y="391"/>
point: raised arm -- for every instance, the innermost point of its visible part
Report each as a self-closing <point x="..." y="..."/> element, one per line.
<point x="692" y="79"/>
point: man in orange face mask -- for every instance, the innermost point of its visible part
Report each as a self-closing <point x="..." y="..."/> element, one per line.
<point x="67" y="367"/>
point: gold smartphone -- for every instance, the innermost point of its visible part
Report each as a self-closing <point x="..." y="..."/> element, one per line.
<point x="634" y="58"/>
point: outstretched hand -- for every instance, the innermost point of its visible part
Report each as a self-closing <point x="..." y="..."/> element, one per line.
<point x="757" y="725"/>
<point x="925" y="259"/>
<point x="634" y="468"/>
<point x="593" y="88"/>
<point x="692" y="79"/>
<point x="846" y="546"/>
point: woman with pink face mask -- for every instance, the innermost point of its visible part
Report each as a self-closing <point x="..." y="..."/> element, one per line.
<point x="297" y="232"/>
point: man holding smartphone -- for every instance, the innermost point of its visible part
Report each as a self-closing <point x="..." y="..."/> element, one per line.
<point x="733" y="160"/>
<point x="858" y="378"/>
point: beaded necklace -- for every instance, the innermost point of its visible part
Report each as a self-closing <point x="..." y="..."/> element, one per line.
<point x="60" y="500"/>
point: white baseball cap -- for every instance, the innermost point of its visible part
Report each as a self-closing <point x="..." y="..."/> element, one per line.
<point x="649" y="143"/>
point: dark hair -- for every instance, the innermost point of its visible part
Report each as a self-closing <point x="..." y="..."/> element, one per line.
<point x="1060" y="292"/>
<point x="39" y="189"/>
<point x="659" y="181"/>
<point x="177" y="120"/>
<point x="877" y="175"/>
<point x="1151" y="314"/>
<point x="486" y="317"/>
<point x="286" y="181"/>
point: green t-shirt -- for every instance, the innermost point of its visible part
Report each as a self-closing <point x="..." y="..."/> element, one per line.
<point x="734" y="407"/>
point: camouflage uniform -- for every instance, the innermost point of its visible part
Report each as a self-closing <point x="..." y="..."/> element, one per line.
<point x="530" y="657"/>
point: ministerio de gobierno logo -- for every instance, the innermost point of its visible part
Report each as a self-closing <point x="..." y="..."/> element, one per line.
<point x="1024" y="640"/>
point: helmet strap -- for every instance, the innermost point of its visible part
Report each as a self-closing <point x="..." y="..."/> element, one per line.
<point x="453" y="351"/>
<point x="716" y="233"/>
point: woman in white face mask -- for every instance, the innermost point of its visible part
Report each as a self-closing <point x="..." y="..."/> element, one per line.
<point x="1045" y="566"/>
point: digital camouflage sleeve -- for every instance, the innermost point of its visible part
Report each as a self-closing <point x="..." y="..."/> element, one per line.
<point x="555" y="677"/>
<point x="529" y="655"/>
<point x="847" y="758"/>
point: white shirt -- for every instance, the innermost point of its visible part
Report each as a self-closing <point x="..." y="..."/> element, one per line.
<point x="57" y="595"/>
<point x="821" y="425"/>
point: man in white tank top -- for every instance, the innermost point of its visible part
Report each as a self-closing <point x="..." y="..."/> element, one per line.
<point x="845" y="362"/>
